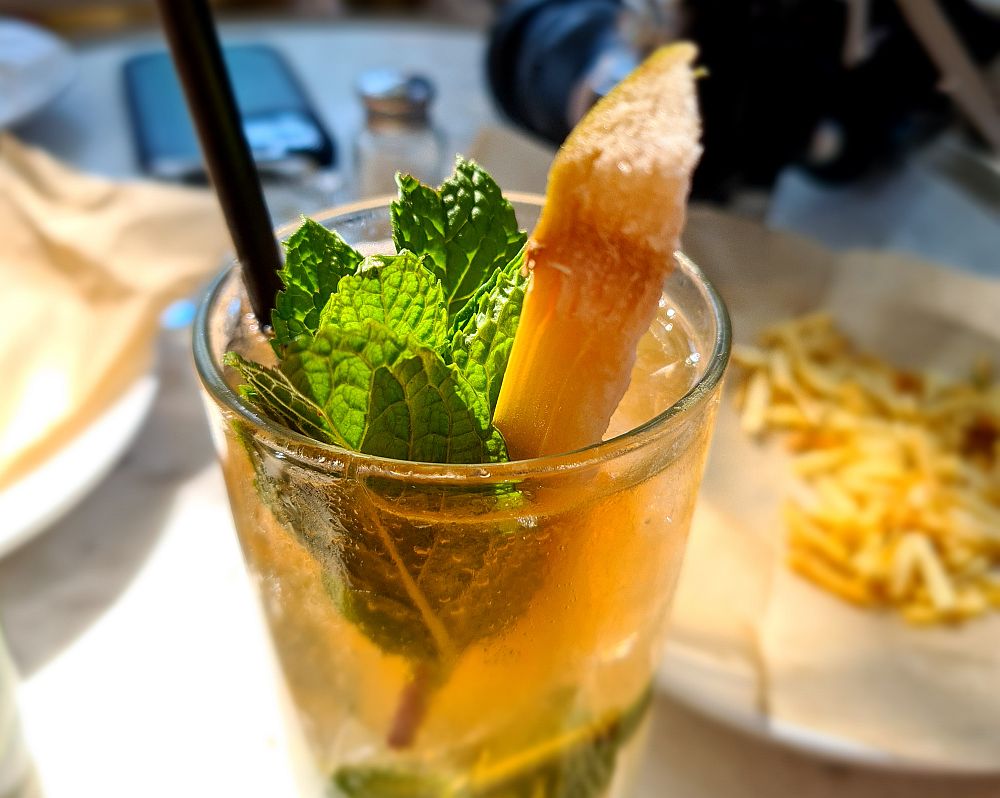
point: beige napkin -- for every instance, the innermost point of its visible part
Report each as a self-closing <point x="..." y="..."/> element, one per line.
<point x="762" y="637"/>
<point x="86" y="266"/>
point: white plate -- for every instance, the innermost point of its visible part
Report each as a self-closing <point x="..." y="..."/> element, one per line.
<point x="708" y="685"/>
<point x="35" y="67"/>
<point x="717" y="657"/>
<point x="44" y="495"/>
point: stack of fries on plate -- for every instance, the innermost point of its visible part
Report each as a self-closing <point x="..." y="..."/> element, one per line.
<point x="898" y="502"/>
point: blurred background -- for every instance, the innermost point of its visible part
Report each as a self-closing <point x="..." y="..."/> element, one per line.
<point x="801" y="96"/>
<point x="86" y="17"/>
<point x="831" y="127"/>
<point x="839" y="90"/>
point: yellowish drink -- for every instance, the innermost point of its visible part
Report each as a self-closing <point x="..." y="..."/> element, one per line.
<point x="478" y="630"/>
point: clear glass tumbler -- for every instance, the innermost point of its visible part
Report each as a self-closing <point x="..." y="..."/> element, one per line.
<point x="471" y="631"/>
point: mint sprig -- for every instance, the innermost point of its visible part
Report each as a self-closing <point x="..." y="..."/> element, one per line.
<point x="447" y="301"/>
<point x="399" y="291"/>
<point x="335" y="368"/>
<point x="426" y="410"/>
<point x="424" y="591"/>
<point x="315" y="261"/>
<point x="484" y="330"/>
<point x="466" y="227"/>
<point x="275" y="396"/>
<point x="401" y="355"/>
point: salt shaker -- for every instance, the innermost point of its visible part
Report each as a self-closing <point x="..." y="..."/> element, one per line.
<point x="398" y="134"/>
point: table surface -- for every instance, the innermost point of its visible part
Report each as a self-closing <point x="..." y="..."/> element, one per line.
<point x="144" y="662"/>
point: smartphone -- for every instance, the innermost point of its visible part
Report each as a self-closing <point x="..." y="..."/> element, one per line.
<point x="282" y="129"/>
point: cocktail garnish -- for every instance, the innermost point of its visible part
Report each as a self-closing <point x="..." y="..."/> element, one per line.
<point x="614" y="209"/>
<point x="399" y="355"/>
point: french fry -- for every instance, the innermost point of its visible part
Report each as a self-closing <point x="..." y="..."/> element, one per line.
<point x="808" y="534"/>
<point x="921" y="614"/>
<point x="903" y="570"/>
<point x="900" y="471"/>
<point x="749" y="357"/>
<point x="819" y="571"/>
<point x="820" y="461"/>
<point x="786" y="416"/>
<point x="758" y="396"/>
<point x="936" y="579"/>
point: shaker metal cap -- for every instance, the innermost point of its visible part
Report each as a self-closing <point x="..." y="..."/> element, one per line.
<point x="391" y="92"/>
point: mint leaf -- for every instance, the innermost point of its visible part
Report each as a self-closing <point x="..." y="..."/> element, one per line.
<point x="398" y="291"/>
<point x="511" y="271"/>
<point x="376" y="783"/>
<point x="366" y="362"/>
<point x="271" y="392"/>
<point x="376" y="404"/>
<point x="424" y="410"/>
<point x="315" y="261"/>
<point x="428" y="591"/>
<point x="482" y="343"/>
<point x="576" y="764"/>
<point x="423" y="590"/>
<point x="466" y="227"/>
<point x="334" y="369"/>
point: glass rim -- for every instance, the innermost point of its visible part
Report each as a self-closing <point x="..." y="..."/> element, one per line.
<point x="300" y="446"/>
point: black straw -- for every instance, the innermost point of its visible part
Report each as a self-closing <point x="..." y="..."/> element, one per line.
<point x="197" y="56"/>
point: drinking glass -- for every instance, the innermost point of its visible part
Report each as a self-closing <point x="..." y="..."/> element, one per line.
<point x="471" y="631"/>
